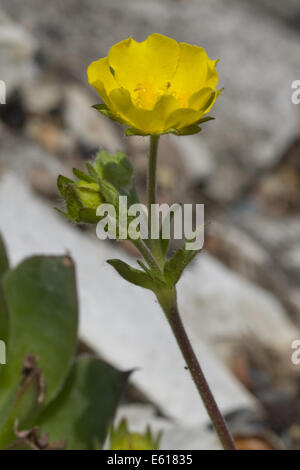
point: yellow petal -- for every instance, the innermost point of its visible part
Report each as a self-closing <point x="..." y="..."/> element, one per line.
<point x="201" y="99"/>
<point x="195" y="71"/>
<point x="147" y="121"/>
<point x="145" y="69"/>
<point x="186" y="117"/>
<point x="183" y="117"/>
<point x="101" y="78"/>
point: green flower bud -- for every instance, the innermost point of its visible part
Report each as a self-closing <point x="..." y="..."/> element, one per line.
<point x="89" y="194"/>
<point x="82" y="199"/>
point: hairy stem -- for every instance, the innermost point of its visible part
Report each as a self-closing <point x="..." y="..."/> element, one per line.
<point x="167" y="300"/>
<point x="151" y="187"/>
<point x="147" y="254"/>
<point x="199" y="377"/>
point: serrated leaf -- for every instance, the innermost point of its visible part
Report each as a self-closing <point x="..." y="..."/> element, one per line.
<point x="88" y="215"/>
<point x="110" y="193"/>
<point x="83" y="176"/>
<point x="130" y="274"/>
<point x="84" y="409"/>
<point x="73" y="203"/>
<point x="91" y="170"/>
<point x="116" y="169"/>
<point x="175" y="266"/>
<point x="62" y="183"/>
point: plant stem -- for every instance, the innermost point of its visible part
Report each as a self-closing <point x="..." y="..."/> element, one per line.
<point x="167" y="300"/>
<point x="151" y="187"/>
<point x="199" y="378"/>
<point x="147" y="254"/>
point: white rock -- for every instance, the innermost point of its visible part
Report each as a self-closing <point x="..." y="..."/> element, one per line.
<point x="120" y="321"/>
<point x="196" y="157"/>
<point x="17" y="48"/>
<point x="41" y="96"/>
<point x="223" y="309"/>
<point x="86" y="123"/>
<point x="256" y="75"/>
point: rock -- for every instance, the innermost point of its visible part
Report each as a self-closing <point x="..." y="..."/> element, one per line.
<point x="248" y="128"/>
<point x="121" y="322"/>
<point x="42" y="96"/>
<point x="196" y="157"/>
<point x="17" y="49"/>
<point x="86" y="124"/>
<point x="222" y="309"/>
<point x="51" y="137"/>
<point x="20" y="155"/>
<point x="261" y="248"/>
<point x="43" y="182"/>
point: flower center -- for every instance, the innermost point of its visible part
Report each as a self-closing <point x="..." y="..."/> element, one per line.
<point x="145" y="95"/>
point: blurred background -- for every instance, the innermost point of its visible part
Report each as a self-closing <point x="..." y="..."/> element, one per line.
<point x="240" y="300"/>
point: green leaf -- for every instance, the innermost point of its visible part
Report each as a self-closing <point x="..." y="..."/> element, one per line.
<point x="24" y="406"/>
<point x="91" y="170"/>
<point x="88" y="215"/>
<point x="122" y="439"/>
<point x="116" y="169"/>
<point x="206" y="119"/>
<point x="4" y="263"/>
<point x="103" y="109"/>
<point x="134" y="131"/>
<point x="83" y="176"/>
<point x="175" y="266"/>
<point x="190" y="130"/>
<point x="4" y="266"/>
<point x="41" y="299"/>
<point x="63" y="183"/>
<point x="110" y="193"/>
<point x="84" y="410"/>
<point x="73" y="203"/>
<point x="130" y="274"/>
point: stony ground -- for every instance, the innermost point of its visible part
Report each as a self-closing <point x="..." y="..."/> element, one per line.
<point x="240" y="301"/>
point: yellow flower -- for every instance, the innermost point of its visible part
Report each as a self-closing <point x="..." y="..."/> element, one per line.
<point x="155" y="87"/>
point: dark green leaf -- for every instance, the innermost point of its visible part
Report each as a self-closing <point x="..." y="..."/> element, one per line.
<point x="103" y="109"/>
<point x="84" y="410"/>
<point x="175" y="266"/>
<point x="91" y="170"/>
<point x="83" y="176"/>
<point x="116" y="169"/>
<point x="24" y="407"/>
<point x="62" y="183"/>
<point x="130" y="274"/>
<point x="4" y="263"/>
